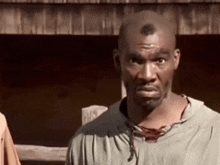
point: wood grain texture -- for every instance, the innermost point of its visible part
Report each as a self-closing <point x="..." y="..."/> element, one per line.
<point x="93" y="20"/>
<point x="78" y="20"/>
<point x="186" y="20"/>
<point x="64" y="21"/>
<point x="41" y="153"/>
<point x="102" y="19"/>
<point x="92" y="112"/>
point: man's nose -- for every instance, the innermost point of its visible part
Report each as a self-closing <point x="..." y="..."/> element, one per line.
<point x="147" y="73"/>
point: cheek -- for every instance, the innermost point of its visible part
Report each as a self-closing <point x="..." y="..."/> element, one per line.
<point x="128" y="77"/>
<point x="167" y="78"/>
<point x="127" y="74"/>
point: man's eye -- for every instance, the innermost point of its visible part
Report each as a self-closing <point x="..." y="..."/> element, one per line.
<point x="161" y="60"/>
<point x="134" y="60"/>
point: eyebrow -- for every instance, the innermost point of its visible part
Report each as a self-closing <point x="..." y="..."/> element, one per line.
<point x="134" y="54"/>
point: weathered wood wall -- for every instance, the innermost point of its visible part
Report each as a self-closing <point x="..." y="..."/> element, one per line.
<point x="97" y="19"/>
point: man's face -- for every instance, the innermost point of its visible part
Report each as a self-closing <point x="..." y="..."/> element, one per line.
<point x="147" y="68"/>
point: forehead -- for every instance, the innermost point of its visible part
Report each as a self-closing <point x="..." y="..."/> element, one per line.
<point x="147" y="27"/>
<point x="157" y="40"/>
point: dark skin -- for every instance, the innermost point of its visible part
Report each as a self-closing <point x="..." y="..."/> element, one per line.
<point x="147" y="64"/>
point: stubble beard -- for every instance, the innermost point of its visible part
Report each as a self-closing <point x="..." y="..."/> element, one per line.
<point x="147" y="104"/>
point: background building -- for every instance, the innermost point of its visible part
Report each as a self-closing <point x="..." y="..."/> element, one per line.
<point x="56" y="58"/>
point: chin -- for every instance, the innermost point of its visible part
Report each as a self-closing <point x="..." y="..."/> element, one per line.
<point x="149" y="103"/>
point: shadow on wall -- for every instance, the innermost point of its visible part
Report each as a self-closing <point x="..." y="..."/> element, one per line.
<point x="46" y="80"/>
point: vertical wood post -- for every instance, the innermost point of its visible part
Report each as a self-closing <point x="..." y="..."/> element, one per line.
<point x="92" y="112"/>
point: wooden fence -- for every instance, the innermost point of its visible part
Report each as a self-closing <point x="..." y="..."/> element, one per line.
<point x="56" y="154"/>
<point x="96" y="19"/>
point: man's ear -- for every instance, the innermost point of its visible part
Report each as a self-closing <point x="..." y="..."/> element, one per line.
<point x="116" y="59"/>
<point x="176" y="58"/>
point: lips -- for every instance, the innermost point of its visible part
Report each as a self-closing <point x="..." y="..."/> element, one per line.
<point x="147" y="88"/>
<point x="147" y="91"/>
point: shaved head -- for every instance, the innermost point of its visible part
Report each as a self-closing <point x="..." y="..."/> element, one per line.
<point x="145" y="23"/>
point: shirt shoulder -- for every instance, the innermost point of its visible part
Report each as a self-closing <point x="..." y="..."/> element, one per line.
<point x="203" y="114"/>
<point x="109" y="120"/>
<point x="110" y="123"/>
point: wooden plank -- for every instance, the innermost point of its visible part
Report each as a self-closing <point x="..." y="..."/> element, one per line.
<point x="133" y="1"/>
<point x="93" y="21"/>
<point x="72" y="1"/>
<point x="148" y="1"/>
<point x="39" y="1"/>
<point x="186" y="20"/>
<point x="32" y="20"/>
<point x="108" y="26"/>
<point x="23" y="1"/>
<point x="101" y="20"/>
<point x="127" y="10"/>
<point x="118" y="15"/>
<point x="27" y="18"/>
<point x="38" y="24"/>
<point x="11" y="19"/>
<point x="43" y="1"/>
<point x="50" y="20"/>
<point x="166" y="1"/>
<point x="64" y="20"/>
<point x="202" y="20"/>
<point x="208" y="0"/>
<point x="92" y="112"/>
<point x="107" y="1"/>
<point x="197" y="1"/>
<point x="182" y="1"/>
<point x="8" y="1"/>
<point x="116" y="22"/>
<point x="57" y="1"/>
<point x="41" y="153"/>
<point x="2" y="20"/>
<point x="214" y="19"/>
<point x="83" y="1"/>
<point x="169" y="12"/>
<point x="78" y="20"/>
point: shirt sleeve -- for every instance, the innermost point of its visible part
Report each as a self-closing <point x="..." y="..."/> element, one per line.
<point x="75" y="153"/>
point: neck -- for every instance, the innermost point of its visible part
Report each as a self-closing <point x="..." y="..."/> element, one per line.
<point x="166" y="113"/>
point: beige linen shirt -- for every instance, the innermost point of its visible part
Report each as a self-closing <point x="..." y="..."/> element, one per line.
<point x="8" y="153"/>
<point x="108" y="141"/>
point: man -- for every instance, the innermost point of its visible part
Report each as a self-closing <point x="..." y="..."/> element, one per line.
<point x="8" y="154"/>
<point x="152" y="125"/>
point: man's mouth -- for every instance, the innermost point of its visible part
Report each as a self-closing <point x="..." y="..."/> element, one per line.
<point x="147" y="91"/>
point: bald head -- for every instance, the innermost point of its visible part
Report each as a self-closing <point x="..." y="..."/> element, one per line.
<point x="145" y="23"/>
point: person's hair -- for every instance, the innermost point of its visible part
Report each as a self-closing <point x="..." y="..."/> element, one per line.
<point x="148" y="29"/>
<point x="147" y="22"/>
